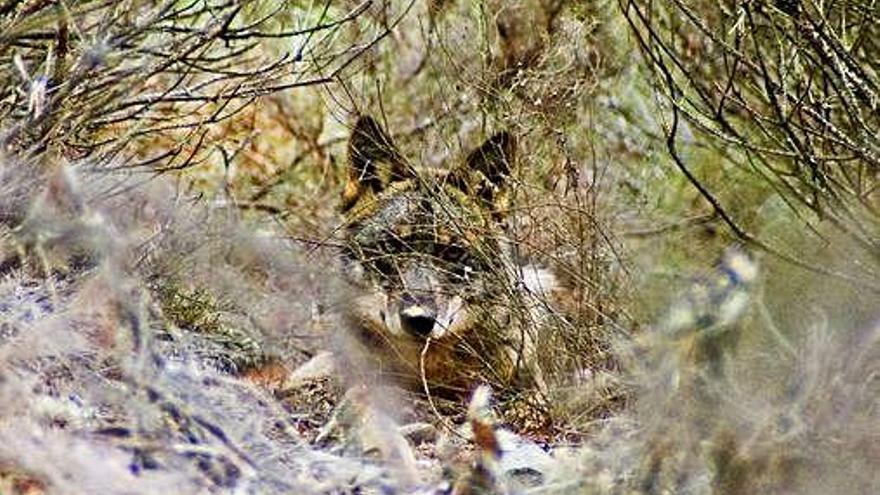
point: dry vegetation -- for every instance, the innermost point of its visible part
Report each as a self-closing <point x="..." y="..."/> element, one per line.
<point x="700" y="176"/>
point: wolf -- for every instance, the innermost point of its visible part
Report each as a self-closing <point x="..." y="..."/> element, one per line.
<point x="438" y="299"/>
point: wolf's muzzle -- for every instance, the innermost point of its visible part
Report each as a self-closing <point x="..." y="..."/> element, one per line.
<point x="418" y="320"/>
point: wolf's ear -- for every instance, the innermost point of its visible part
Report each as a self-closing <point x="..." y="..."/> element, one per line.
<point x="373" y="161"/>
<point x="486" y="173"/>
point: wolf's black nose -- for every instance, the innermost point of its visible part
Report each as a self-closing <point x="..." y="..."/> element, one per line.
<point x="417" y="320"/>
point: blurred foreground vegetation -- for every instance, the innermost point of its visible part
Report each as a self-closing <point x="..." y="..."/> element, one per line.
<point x="170" y="177"/>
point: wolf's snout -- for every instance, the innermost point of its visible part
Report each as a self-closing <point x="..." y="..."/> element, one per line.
<point x="418" y="320"/>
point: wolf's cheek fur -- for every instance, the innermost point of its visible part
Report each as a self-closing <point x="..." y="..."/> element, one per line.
<point x="449" y="322"/>
<point x="371" y="309"/>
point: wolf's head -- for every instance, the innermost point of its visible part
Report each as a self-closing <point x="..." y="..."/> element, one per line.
<point x="424" y="250"/>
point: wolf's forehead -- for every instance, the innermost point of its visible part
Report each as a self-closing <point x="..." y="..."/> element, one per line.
<point x="388" y="215"/>
<point x="411" y="213"/>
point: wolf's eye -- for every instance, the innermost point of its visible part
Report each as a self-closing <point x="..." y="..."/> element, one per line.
<point x="459" y="260"/>
<point x="383" y="265"/>
<point x="372" y="261"/>
<point x="453" y="254"/>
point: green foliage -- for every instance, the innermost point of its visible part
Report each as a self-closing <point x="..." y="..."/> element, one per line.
<point x="195" y="310"/>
